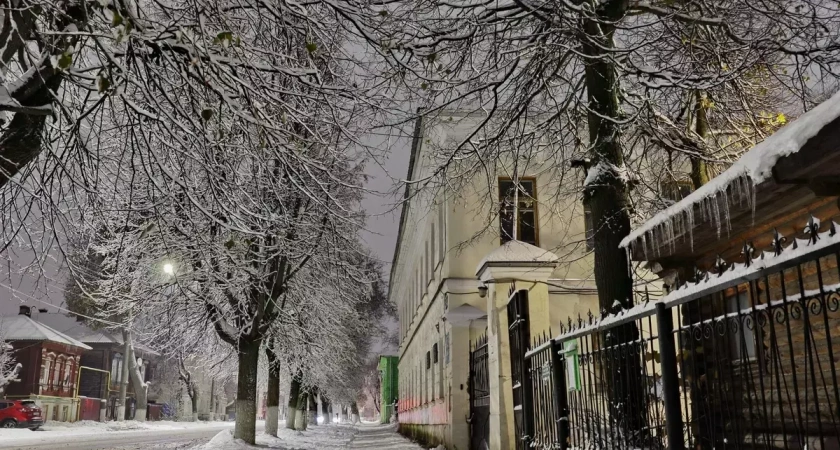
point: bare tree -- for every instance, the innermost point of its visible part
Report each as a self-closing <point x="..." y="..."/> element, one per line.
<point x="617" y="87"/>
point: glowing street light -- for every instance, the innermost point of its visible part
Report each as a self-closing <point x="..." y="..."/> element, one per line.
<point x="168" y="269"/>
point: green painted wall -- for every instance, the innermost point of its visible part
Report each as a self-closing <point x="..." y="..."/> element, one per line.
<point x="388" y="376"/>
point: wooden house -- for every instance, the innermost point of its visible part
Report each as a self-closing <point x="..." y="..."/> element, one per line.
<point x="102" y="363"/>
<point x="50" y="362"/>
<point x="750" y="261"/>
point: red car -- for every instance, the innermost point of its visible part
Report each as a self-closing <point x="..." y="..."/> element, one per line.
<point x="20" y="414"/>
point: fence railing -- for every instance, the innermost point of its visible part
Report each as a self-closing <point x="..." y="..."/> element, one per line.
<point x="479" y="389"/>
<point x="742" y="357"/>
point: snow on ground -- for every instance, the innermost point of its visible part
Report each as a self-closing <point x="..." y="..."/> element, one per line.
<point x="89" y="426"/>
<point x="62" y="429"/>
<point x="322" y="437"/>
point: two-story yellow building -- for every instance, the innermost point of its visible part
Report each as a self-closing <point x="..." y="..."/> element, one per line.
<point x="459" y="254"/>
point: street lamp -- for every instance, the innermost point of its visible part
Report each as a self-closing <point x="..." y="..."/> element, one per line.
<point x="168" y="269"/>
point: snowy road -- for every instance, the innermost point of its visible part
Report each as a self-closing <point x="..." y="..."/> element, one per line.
<point x="124" y="440"/>
<point x="171" y="439"/>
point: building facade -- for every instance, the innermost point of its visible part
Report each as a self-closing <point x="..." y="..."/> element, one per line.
<point x="101" y="366"/>
<point x="504" y="229"/>
<point x="50" y="362"/>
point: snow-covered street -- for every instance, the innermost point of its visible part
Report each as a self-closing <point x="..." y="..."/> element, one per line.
<point x="132" y="435"/>
<point x="127" y="435"/>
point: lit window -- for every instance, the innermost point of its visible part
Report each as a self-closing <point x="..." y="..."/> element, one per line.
<point x="521" y="199"/>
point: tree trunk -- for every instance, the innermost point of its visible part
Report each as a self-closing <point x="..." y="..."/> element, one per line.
<point x="608" y="201"/>
<point x="212" y="399"/>
<point x="273" y="400"/>
<point x="194" y="393"/>
<point x="140" y="388"/>
<point x="325" y="405"/>
<point x="699" y="169"/>
<point x="312" y="416"/>
<point x="354" y="411"/>
<point x="246" y="391"/>
<point x="300" y="420"/>
<point x="294" y="393"/>
<point x="124" y="377"/>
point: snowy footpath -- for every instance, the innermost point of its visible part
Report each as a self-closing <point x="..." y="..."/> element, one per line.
<point x="321" y="437"/>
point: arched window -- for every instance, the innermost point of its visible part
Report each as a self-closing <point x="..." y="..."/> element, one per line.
<point x="68" y="373"/>
<point x="46" y="368"/>
<point x="56" y="375"/>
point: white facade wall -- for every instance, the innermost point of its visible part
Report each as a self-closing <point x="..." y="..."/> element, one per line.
<point x="442" y="241"/>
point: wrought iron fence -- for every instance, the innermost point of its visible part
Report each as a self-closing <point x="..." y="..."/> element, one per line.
<point x="479" y="389"/>
<point x="741" y="357"/>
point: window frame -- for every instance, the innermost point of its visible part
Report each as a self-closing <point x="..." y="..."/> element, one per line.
<point x="534" y="196"/>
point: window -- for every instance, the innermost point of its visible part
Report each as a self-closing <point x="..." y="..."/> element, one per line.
<point x="68" y="374"/>
<point x="589" y="228"/>
<point x="45" y="371"/>
<point x="56" y="375"/>
<point x="441" y="233"/>
<point x="521" y="226"/>
<point x="742" y="343"/>
<point x="434" y="249"/>
<point x="428" y="360"/>
<point x="676" y="190"/>
<point x="440" y="376"/>
<point x="435" y="353"/>
<point x="116" y="368"/>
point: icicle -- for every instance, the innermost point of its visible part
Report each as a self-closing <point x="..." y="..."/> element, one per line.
<point x="655" y="241"/>
<point x="726" y="213"/>
<point x="716" y="210"/>
<point x="690" y="225"/>
<point x="644" y="246"/>
<point x="752" y="199"/>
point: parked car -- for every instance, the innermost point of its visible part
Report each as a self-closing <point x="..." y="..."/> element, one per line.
<point x="20" y="414"/>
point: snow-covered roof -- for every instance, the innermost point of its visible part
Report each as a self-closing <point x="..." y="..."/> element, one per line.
<point x="23" y="328"/>
<point x="755" y="166"/>
<point x="72" y="327"/>
<point x="517" y="252"/>
<point x="826" y="243"/>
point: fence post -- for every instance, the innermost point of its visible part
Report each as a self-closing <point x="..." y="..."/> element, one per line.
<point x="670" y="380"/>
<point x="561" y="402"/>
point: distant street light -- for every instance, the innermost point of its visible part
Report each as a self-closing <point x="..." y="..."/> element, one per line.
<point x="168" y="269"/>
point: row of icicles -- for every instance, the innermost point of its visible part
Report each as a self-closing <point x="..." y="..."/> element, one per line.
<point x="714" y="208"/>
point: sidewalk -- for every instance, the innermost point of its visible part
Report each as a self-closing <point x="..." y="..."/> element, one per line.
<point x="382" y="437"/>
<point x="320" y="437"/>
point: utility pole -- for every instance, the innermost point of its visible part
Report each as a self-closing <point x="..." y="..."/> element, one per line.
<point x="124" y="376"/>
